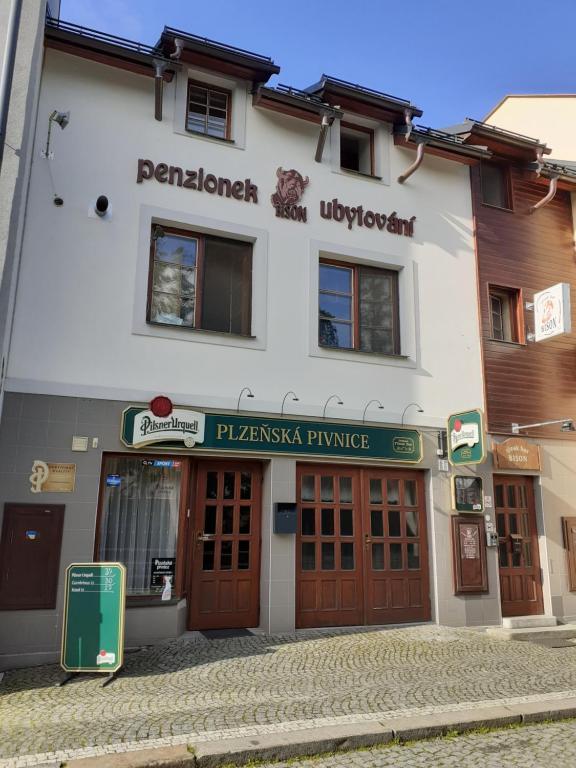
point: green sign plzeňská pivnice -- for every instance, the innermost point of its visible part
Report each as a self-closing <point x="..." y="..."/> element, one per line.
<point x="93" y="629"/>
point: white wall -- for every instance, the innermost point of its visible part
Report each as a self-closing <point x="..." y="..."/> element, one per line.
<point x="74" y="330"/>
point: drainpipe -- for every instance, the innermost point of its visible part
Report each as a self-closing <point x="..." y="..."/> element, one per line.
<point x="179" y="45"/>
<point x="159" y="67"/>
<point x="409" y="124"/>
<point x="549" y="195"/>
<point x="327" y="121"/>
<point x="8" y="70"/>
<point x="415" y="165"/>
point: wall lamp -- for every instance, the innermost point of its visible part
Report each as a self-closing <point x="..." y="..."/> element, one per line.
<point x="368" y="404"/>
<point x="339" y="402"/>
<point x="295" y="399"/>
<point x="249" y="394"/>
<point x="410" y="405"/>
<point x="60" y="118"/>
<point x="567" y="425"/>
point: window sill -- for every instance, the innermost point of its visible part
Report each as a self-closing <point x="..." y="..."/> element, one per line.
<point x="509" y="343"/>
<point x="497" y="207"/>
<point x="362" y="353"/>
<point x="199" y="135"/>
<point x="351" y="172"/>
<point x="188" y="329"/>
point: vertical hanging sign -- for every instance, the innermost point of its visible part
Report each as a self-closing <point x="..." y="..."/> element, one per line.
<point x="93" y="628"/>
<point x="466" y="438"/>
<point x="552" y="312"/>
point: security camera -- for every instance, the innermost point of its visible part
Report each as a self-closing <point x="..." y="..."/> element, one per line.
<point x="101" y="206"/>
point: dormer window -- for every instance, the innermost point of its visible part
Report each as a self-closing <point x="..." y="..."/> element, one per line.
<point x="356" y="148"/>
<point x="208" y="111"/>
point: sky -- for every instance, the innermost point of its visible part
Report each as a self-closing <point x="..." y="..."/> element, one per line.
<point x="452" y="59"/>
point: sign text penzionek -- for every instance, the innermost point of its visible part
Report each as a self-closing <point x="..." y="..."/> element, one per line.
<point x="198" y="180"/>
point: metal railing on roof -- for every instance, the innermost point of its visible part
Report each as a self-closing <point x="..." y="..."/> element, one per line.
<point x="367" y="91"/>
<point x="216" y="44"/>
<point x="504" y="132"/>
<point x="103" y="37"/>
<point x="291" y="91"/>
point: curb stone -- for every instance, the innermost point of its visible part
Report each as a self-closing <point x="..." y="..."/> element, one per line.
<point x="316" y="741"/>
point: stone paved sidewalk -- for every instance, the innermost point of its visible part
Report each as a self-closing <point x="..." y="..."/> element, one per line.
<point x="200" y="689"/>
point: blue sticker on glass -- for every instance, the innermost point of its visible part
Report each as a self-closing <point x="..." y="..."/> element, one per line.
<point x="163" y="463"/>
<point x="32" y="535"/>
<point x="113" y="480"/>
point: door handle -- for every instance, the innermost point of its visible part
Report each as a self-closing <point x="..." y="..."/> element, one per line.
<point x="201" y="536"/>
<point x="367" y="539"/>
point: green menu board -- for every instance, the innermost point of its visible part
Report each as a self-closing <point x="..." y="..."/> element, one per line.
<point x="93" y="629"/>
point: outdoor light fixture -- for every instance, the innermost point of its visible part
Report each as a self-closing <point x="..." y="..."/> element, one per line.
<point x="60" y="118"/>
<point x="567" y="425"/>
<point x="410" y="405"/>
<point x="295" y="399"/>
<point x="338" y="398"/>
<point x="368" y="404"/>
<point x="244" y="389"/>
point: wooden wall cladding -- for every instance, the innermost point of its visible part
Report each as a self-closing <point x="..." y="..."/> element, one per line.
<point x="530" y="382"/>
<point x="469" y="554"/>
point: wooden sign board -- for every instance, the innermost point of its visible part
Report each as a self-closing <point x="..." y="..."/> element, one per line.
<point x="469" y="554"/>
<point x="517" y="453"/>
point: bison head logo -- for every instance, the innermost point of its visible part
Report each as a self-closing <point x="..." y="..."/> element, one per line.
<point x="289" y="188"/>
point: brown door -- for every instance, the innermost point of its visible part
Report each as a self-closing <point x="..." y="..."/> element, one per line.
<point x="396" y="569"/>
<point x="519" y="561"/>
<point x="569" y="525"/>
<point x="30" y="555"/>
<point x="225" y="584"/>
<point x="361" y="553"/>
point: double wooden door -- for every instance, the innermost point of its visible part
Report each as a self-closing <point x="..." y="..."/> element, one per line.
<point x="518" y="557"/>
<point x="362" y="554"/>
<point x="225" y="579"/>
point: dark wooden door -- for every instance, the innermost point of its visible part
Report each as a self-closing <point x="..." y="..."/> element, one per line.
<point x="569" y="526"/>
<point x="518" y="557"/>
<point x="225" y="585"/>
<point x="30" y="555"/>
<point x="396" y="574"/>
<point x="361" y="550"/>
<point x="329" y="553"/>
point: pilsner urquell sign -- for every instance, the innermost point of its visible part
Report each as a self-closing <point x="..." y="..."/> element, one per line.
<point x="256" y="434"/>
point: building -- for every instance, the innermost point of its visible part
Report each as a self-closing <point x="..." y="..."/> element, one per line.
<point x="236" y="343"/>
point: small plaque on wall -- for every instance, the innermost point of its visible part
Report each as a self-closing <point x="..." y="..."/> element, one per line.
<point x="469" y="554"/>
<point x="467" y="494"/>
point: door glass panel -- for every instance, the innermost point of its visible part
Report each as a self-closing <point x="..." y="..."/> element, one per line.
<point x="410" y="497"/>
<point x="513" y="523"/>
<point x="246" y="485"/>
<point x="308" y="523"/>
<point x="229" y="485"/>
<point x="243" y="555"/>
<point x="413" y="555"/>
<point x="501" y="524"/>
<point x="516" y="559"/>
<point x="347" y="556"/>
<point x="308" y="556"/>
<point x="346" y="522"/>
<point x="244" y="526"/>
<point x="523" y="499"/>
<point x="211" y="485"/>
<point x="210" y="520"/>
<point x="376" y="522"/>
<point x="499" y="494"/>
<point x="527" y="554"/>
<point x="396" y="557"/>
<point x="378" y="557"/>
<point x="393" y="492"/>
<point x="307" y="489"/>
<point x="524" y="522"/>
<point x="394" y="522"/>
<point x="327" y="488"/>
<point x="327" y="522"/>
<point x="226" y="556"/>
<point x="227" y="520"/>
<point x="412" y="522"/>
<point x="375" y="491"/>
<point x="511" y="496"/>
<point x="503" y="554"/>
<point x="345" y="490"/>
<point x="208" y="556"/>
<point x="327" y="556"/>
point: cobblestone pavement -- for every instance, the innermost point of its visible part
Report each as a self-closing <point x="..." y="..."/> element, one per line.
<point x="208" y="689"/>
<point x="537" y="746"/>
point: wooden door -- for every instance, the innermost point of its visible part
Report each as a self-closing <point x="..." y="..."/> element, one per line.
<point x="569" y="530"/>
<point x="518" y="556"/>
<point x="396" y="574"/>
<point x="225" y="584"/>
<point x="30" y="555"/>
<point x="329" y="566"/>
<point x="361" y="549"/>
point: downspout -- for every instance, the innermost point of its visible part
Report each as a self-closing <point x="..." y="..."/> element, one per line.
<point x="327" y="121"/>
<point x="415" y="165"/>
<point x="549" y="195"/>
<point x="159" y="67"/>
<point x="8" y="70"/>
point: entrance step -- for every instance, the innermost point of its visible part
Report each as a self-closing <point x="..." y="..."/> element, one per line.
<point x="527" y="622"/>
<point x="535" y="634"/>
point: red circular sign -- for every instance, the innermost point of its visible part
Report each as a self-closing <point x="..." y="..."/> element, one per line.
<point x="161" y="406"/>
<point x="457" y="425"/>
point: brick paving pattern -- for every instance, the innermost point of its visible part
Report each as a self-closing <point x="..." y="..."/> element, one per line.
<point x="537" y="746"/>
<point x="183" y="690"/>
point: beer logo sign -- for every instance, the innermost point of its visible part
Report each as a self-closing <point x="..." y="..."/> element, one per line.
<point x="466" y="438"/>
<point x="464" y="434"/>
<point x="552" y="312"/>
<point x="289" y="190"/>
<point x="181" y="425"/>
